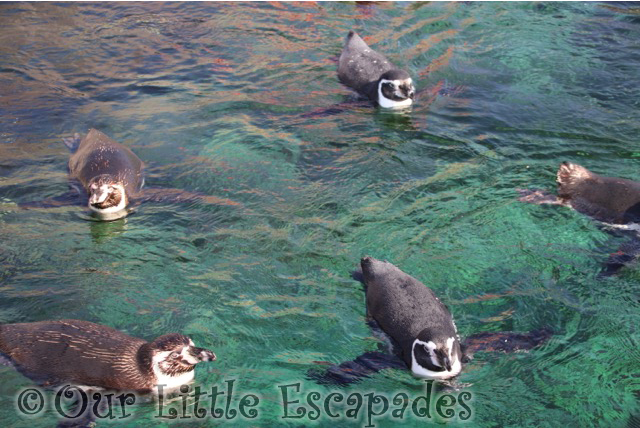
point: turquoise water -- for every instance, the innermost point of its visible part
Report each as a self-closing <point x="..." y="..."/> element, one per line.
<point x="228" y="100"/>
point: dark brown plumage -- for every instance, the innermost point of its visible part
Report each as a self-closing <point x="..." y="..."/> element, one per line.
<point x="407" y="310"/>
<point x="83" y="353"/>
<point x="98" y="155"/>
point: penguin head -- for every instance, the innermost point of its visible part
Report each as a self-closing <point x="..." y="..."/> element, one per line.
<point x="175" y="354"/>
<point x="106" y="195"/>
<point x="435" y="355"/>
<point x="395" y="89"/>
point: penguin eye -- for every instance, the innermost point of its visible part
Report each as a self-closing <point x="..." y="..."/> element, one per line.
<point x="388" y="85"/>
<point x="174" y="354"/>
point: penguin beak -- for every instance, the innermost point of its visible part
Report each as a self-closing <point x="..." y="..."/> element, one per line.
<point x="409" y="92"/>
<point x="99" y="195"/>
<point x="447" y="364"/>
<point x="202" y="354"/>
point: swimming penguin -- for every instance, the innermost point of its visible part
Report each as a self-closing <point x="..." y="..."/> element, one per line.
<point x="411" y="314"/>
<point x="406" y="311"/>
<point x="371" y="362"/>
<point x="111" y="175"/>
<point x="91" y="355"/>
<point x="372" y="75"/>
<point x="610" y="200"/>
<point x="607" y="199"/>
<point x="110" y="172"/>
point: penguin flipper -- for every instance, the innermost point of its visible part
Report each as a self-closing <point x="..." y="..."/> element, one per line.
<point x="538" y="197"/>
<point x="67" y="199"/>
<point x="337" y="109"/>
<point x="504" y="341"/>
<point x="86" y="420"/>
<point x="357" y="369"/>
<point x="180" y="196"/>
<point x="6" y="361"/>
<point x="364" y="365"/>
<point x="72" y="143"/>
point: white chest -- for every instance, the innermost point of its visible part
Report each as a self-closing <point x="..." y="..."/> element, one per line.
<point x="170" y="383"/>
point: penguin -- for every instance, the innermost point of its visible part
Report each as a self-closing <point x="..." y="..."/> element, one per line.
<point x="112" y="177"/>
<point x="420" y="329"/>
<point x="369" y="363"/>
<point x="109" y="172"/>
<point x="606" y="199"/>
<point x="95" y="356"/>
<point x="372" y="75"/>
<point x="609" y="200"/>
<point x="410" y="313"/>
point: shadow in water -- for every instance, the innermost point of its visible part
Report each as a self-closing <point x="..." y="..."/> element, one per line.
<point x="102" y="231"/>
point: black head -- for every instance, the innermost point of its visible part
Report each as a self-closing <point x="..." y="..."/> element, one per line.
<point x="174" y="354"/>
<point x="435" y="356"/>
<point x="395" y="87"/>
<point x="106" y="194"/>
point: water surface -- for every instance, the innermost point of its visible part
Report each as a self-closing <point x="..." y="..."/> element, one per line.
<point x="231" y="99"/>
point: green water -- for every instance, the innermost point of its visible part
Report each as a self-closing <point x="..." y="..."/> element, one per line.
<point x="216" y="98"/>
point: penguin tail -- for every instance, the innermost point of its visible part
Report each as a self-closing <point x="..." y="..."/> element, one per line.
<point x="350" y="36"/>
<point x="358" y="273"/>
<point x="569" y="176"/>
<point x="367" y="262"/>
<point x="350" y="372"/>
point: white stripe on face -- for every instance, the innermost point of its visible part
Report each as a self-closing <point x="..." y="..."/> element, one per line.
<point x="386" y="102"/>
<point x="121" y="205"/>
<point x="186" y="356"/>
<point x="170" y="382"/>
<point x="422" y="372"/>
<point x="104" y="192"/>
<point x="450" y="348"/>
